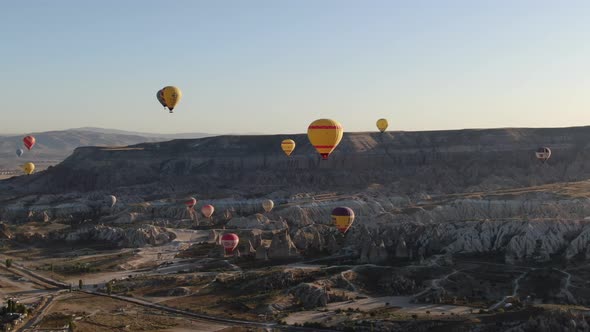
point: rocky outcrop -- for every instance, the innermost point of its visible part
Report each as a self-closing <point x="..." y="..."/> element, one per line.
<point x="282" y="246"/>
<point x="134" y="237"/>
<point x="5" y="233"/>
<point x="310" y="295"/>
<point x="256" y="221"/>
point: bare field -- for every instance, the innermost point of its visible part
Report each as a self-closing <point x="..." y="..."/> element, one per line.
<point x="97" y="313"/>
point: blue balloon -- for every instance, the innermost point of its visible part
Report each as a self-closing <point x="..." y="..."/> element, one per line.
<point x="20" y="152"/>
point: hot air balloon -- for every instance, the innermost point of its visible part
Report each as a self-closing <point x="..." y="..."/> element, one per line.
<point x="190" y="202"/>
<point x="229" y="241"/>
<point x="160" y="97"/>
<point x="382" y="124"/>
<point x="19" y="152"/>
<point x="288" y="146"/>
<point x="207" y="210"/>
<point x="324" y="135"/>
<point x="342" y="218"/>
<point x="29" y="168"/>
<point x="111" y="200"/>
<point x="543" y="154"/>
<point x="267" y="205"/>
<point x="29" y="141"/>
<point x="171" y="96"/>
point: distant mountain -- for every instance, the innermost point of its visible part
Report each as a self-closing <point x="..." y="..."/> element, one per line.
<point x="54" y="146"/>
<point x="135" y="133"/>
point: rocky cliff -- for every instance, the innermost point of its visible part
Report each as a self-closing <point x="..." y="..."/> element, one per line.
<point x="437" y="161"/>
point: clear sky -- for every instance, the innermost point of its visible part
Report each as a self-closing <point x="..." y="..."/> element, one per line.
<point x="274" y="66"/>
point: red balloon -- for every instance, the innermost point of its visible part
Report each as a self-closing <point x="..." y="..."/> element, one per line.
<point x="190" y="202"/>
<point x="229" y="242"/>
<point x="29" y="141"/>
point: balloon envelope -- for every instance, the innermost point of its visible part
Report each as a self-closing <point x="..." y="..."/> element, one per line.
<point x="267" y="205"/>
<point x="111" y="200"/>
<point x="543" y="154"/>
<point x="288" y="146"/>
<point x="29" y="168"/>
<point x="325" y="135"/>
<point x="172" y="96"/>
<point x="29" y="141"/>
<point x="207" y="210"/>
<point x="229" y="241"/>
<point x="342" y="218"/>
<point x="382" y="124"/>
<point x="191" y="202"/>
<point x="160" y="97"/>
<point x="19" y="152"/>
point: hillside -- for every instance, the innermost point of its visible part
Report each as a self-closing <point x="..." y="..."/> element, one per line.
<point x="54" y="146"/>
<point x="404" y="162"/>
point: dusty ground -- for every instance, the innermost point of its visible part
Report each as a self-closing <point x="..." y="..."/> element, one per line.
<point x="401" y="305"/>
<point x="96" y="313"/>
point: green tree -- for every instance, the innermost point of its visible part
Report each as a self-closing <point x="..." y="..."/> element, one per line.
<point x="10" y="305"/>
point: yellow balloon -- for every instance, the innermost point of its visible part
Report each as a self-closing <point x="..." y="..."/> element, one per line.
<point x="288" y="146"/>
<point x="29" y="168"/>
<point x="171" y="95"/>
<point x="267" y="205"/>
<point x="382" y="124"/>
<point x="325" y="135"/>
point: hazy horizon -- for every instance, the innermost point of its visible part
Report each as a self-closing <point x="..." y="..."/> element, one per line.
<point x="304" y="132"/>
<point x="273" y="67"/>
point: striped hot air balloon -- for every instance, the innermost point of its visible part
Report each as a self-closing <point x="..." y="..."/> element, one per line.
<point x="342" y="218"/>
<point x="543" y="154"/>
<point x="325" y="135"/>
<point x="229" y="241"/>
<point x="288" y="146"/>
<point x="29" y="141"/>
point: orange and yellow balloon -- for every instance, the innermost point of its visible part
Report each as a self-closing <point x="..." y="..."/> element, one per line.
<point x="171" y="96"/>
<point x="288" y="146"/>
<point x="29" y="168"/>
<point x="325" y="135"/>
<point x="382" y="124"/>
